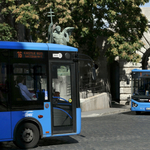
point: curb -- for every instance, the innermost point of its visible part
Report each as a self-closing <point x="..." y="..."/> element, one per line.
<point x="104" y="113"/>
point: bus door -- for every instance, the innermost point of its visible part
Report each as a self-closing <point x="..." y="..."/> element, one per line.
<point x="63" y="103"/>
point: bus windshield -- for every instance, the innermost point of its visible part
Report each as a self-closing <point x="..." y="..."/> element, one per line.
<point x="141" y="83"/>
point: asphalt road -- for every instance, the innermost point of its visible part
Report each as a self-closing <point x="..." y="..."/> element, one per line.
<point x="124" y="131"/>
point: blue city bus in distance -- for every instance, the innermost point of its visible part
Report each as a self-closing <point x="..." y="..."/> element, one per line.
<point x="140" y="87"/>
<point x="39" y="92"/>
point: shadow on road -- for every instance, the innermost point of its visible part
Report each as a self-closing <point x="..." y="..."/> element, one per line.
<point x="117" y="105"/>
<point x="57" y="141"/>
<point x="8" y="146"/>
<point x="134" y="113"/>
<point x="43" y="142"/>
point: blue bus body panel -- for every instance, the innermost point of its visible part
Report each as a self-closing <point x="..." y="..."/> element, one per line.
<point x="5" y="121"/>
<point x="142" y="106"/>
<point x="23" y="45"/>
<point x="58" y="47"/>
<point x="36" y="46"/>
<point x="45" y="121"/>
<point x="78" y="120"/>
<point x="138" y="70"/>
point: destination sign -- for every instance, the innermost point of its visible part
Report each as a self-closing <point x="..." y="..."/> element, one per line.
<point x="28" y="54"/>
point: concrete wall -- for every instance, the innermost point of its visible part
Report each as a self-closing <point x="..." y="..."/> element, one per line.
<point x="99" y="101"/>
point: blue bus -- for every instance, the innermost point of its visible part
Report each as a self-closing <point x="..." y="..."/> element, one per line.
<point x="140" y="86"/>
<point x="39" y="92"/>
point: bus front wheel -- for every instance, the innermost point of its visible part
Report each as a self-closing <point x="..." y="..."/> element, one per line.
<point x="27" y="135"/>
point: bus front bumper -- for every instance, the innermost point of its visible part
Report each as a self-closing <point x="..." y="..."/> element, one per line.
<point x="140" y="106"/>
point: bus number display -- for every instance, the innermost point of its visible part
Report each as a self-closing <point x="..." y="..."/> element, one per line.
<point x="30" y="54"/>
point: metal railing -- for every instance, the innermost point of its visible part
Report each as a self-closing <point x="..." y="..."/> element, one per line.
<point x="88" y="88"/>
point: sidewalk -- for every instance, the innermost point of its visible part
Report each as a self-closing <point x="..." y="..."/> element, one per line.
<point x="116" y="108"/>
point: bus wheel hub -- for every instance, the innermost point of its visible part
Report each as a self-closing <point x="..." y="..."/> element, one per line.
<point x="27" y="135"/>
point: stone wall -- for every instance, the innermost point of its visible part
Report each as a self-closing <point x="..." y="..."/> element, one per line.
<point x="125" y="76"/>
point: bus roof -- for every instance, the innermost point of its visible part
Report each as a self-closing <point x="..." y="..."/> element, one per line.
<point x="36" y="46"/>
<point x="139" y="70"/>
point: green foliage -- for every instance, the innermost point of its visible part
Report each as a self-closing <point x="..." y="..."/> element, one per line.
<point x="128" y="24"/>
<point x="7" y="32"/>
<point x="119" y="20"/>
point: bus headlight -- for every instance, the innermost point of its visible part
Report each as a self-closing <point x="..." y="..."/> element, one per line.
<point x="134" y="104"/>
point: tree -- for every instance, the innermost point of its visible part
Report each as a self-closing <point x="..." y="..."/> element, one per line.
<point x="128" y="24"/>
<point x="119" y="20"/>
<point x="14" y="13"/>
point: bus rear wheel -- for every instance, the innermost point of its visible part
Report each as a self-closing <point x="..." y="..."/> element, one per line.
<point x="27" y="135"/>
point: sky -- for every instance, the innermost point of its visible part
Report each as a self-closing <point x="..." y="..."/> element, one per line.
<point x="146" y="5"/>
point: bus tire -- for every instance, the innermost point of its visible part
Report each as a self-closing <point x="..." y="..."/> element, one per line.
<point x="138" y="112"/>
<point x="27" y="135"/>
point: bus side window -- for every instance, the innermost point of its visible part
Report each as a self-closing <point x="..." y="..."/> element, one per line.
<point x="3" y="87"/>
<point x="30" y="83"/>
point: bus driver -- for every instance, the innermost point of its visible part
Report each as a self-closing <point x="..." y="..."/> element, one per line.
<point x="23" y="88"/>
